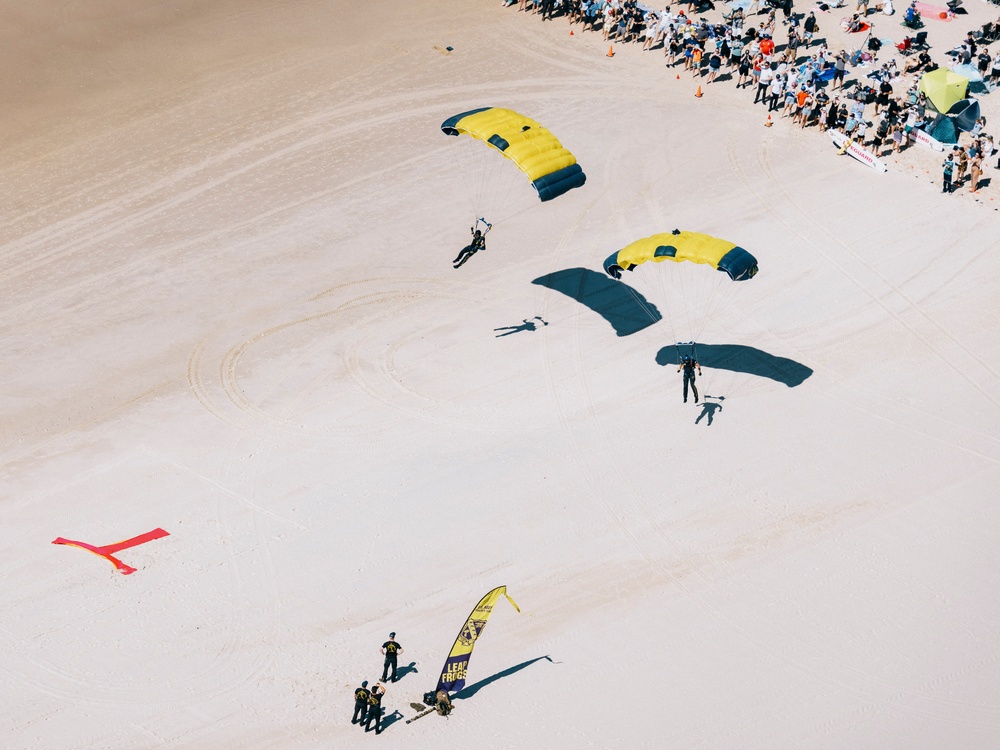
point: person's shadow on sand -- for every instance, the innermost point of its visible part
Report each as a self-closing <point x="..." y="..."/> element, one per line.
<point x="403" y="671"/>
<point x="708" y="409"/>
<point x="527" y="325"/>
<point x="391" y="719"/>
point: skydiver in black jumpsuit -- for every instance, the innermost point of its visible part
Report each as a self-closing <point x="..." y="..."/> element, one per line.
<point x="688" y="365"/>
<point x="478" y="243"/>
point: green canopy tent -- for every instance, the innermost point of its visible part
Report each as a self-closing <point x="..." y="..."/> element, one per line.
<point x="944" y="88"/>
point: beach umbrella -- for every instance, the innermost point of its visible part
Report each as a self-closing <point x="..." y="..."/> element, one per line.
<point x="944" y="88"/>
<point x="966" y="112"/>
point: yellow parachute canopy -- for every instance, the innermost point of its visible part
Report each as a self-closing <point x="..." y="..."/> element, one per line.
<point x="551" y="168"/>
<point x="679" y="247"/>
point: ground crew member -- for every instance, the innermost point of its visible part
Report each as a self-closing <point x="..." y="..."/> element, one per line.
<point x="375" y="708"/>
<point x="361" y="704"/>
<point x="390" y="648"/>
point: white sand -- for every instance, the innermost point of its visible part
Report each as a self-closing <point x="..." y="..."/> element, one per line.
<point x="229" y="312"/>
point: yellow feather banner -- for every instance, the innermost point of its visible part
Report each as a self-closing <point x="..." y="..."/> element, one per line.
<point x="455" y="666"/>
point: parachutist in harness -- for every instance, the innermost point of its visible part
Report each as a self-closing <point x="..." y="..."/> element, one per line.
<point x="688" y="364"/>
<point x="478" y="243"/>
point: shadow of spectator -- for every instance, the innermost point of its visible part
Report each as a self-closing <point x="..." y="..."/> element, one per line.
<point x="739" y="358"/>
<point x="624" y="308"/>
<point x="391" y="719"/>
<point x="403" y="671"/>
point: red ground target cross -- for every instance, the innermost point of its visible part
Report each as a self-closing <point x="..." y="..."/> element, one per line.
<point x="108" y="551"/>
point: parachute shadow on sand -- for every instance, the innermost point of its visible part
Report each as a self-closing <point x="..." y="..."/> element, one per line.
<point x="470" y="690"/>
<point x="744" y="359"/>
<point x="624" y="308"/>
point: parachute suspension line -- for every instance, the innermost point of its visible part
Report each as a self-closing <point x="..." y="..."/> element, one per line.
<point x="505" y="144"/>
<point x="688" y="298"/>
<point x="463" y="165"/>
<point x="492" y="183"/>
<point x="718" y="301"/>
<point x="694" y="349"/>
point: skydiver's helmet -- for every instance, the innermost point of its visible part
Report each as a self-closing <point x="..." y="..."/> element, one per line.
<point x="479" y="233"/>
<point x="686" y="360"/>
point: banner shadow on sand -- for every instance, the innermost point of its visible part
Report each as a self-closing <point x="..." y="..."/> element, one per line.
<point x="624" y="308"/>
<point x="470" y="690"/>
<point x="741" y="359"/>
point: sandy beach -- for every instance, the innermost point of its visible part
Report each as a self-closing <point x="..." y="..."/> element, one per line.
<point x="230" y="313"/>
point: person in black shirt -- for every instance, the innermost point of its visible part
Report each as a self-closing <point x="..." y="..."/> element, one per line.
<point x="688" y="364"/>
<point x="881" y="133"/>
<point x="809" y="27"/>
<point x="884" y="92"/>
<point x="375" y="708"/>
<point x="893" y="108"/>
<point x="361" y="696"/>
<point x="390" y="648"/>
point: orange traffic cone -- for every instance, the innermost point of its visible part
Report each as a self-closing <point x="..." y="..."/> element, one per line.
<point x="768" y="123"/>
<point x="698" y="92"/>
<point x="611" y="52"/>
<point x="678" y="76"/>
<point x="571" y="32"/>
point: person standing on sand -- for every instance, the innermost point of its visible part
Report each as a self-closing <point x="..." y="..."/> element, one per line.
<point x="744" y="69"/>
<point x="975" y="172"/>
<point x="948" y="169"/>
<point x="671" y="50"/>
<point x="810" y="27"/>
<point x="792" y="48"/>
<point x="839" y="69"/>
<point x="884" y="92"/>
<point x="988" y="148"/>
<point x="897" y="138"/>
<point x="696" y="54"/>
<point x="361" y="696"/>
<point x="880" y="135"/>
<point x="777" y="92"/>
<point x="714" y="65"/>
<point x="375" y="708"/>
<point x="763" y="83"/>
<point x="390" y="649"/>
<point x="832" y="114"/>
<point x="961" y="165"/>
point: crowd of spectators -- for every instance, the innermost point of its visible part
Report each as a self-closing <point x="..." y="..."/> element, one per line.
<point x="801" y="79"/>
